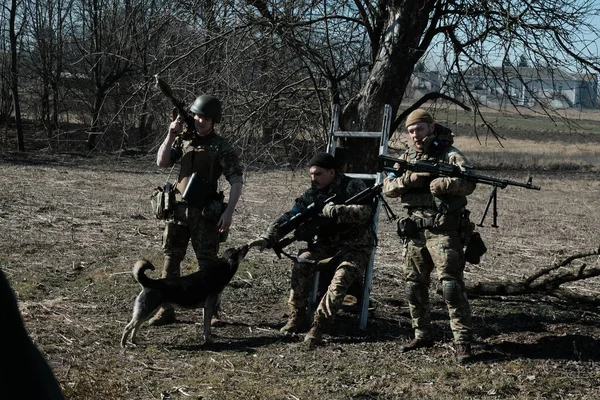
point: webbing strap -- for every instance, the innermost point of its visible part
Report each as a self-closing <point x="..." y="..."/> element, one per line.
<point x="423" y="223"/>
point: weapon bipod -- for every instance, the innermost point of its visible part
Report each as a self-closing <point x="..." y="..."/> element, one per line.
<point x="492" y="200"/>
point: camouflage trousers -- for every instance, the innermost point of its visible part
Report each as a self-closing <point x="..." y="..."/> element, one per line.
<point x="196" y="225"/>
<point x="444" y="252"/>
<point x="349" y="266"/>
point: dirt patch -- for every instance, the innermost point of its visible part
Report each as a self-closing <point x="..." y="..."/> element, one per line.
<point x="74" y="226"/>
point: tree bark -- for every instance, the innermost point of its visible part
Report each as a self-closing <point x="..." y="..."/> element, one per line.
<point x="398" y="52"/>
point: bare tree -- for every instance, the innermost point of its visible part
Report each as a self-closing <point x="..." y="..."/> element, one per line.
<point x="6" y="104"/>
<point x="547" y="280"/>
<point x="44" y="57"/>
<point x="104" y="31"/>
<point x="400" y="33"/>
<point x="14" y="70"/>
<point x="280" y="66"/>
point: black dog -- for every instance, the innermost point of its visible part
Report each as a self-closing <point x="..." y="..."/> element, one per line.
<point x="201" y="289"/>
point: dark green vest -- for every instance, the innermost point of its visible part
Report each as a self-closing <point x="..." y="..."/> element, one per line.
<point x="421" y="198"/>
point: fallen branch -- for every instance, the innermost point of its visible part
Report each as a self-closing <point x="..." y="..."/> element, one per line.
<point x="545" y="281"/>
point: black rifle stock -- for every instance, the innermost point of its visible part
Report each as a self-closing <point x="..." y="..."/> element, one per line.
<point x="440" y="169"/>
<point x="179" y="106"/>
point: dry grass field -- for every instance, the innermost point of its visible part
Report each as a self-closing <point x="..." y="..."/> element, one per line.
<point x="72" y="228"/>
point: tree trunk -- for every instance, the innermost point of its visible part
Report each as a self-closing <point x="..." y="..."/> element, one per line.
<point x="397" y="54"/>
<point x="15" y="76"/>
<point x="94" y="131"/>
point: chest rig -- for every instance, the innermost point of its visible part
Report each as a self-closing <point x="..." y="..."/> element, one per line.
<point x="339" y="231"/>
<point x="200" y="163"/>
<point x="421" y="198"/>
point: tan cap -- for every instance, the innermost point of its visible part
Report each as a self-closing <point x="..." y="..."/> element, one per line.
<point x="419" y="115"/>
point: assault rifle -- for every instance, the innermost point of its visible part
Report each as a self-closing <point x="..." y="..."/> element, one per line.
<point x="298" y="224"/>
<point x="309" y="222"/>
<point x="440" y="169"/>
<point x="179" y="107"/>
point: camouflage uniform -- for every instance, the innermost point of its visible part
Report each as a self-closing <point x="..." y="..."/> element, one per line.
<point x="442" y="226"/>
<point x="349" y="240"/>
<point x="210" y="156"/>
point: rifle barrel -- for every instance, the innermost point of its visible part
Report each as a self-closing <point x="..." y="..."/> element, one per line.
<point x="178" y="104"/>
<point x="499" y="182"/>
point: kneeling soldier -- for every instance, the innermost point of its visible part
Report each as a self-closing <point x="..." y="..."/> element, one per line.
<point x="346" y="239"/>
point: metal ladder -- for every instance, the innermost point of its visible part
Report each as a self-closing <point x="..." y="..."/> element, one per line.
<point x="377" y="177"/>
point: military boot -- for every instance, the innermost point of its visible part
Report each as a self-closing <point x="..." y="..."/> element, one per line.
<point x="463" y="353"/>
<point x="166" y="314"/>
<point x="314" y="336"/>
<point x="416" y="344"/>
<point x="296" y="322"/>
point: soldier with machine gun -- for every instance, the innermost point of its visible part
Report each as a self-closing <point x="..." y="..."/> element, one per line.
<point x="432" y="179"/>
<point x="434" y="232"/>
<point x="333" y="230"/>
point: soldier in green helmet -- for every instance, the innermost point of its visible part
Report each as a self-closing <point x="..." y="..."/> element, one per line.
<point x="200" y="214"/>
<point x="434" y="231"/>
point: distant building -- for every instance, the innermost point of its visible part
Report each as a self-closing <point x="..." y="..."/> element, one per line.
<point x="529" y="86"/>
<point x="422" y="83"/>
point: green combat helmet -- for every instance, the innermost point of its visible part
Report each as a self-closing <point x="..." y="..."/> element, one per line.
<point x="208" y="106"/>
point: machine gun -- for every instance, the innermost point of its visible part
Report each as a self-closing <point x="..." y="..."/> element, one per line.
<point x="178" y="106"/>
<point x="440" y="169"/>
<point x="309" y="223"/>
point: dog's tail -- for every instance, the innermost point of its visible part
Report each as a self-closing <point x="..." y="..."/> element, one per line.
<point x="139" y="270"/>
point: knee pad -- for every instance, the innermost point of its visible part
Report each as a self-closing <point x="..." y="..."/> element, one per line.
<point x="416" y="293"/>
<point x="452" y="291"/>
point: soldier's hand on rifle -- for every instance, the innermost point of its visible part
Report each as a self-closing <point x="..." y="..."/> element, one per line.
<point x="451" y="186"/>
<point x="415" y="179"/>
<point x="329" y="210"/>
<point x="440" y="186"/>
<point x="175" y="128"/>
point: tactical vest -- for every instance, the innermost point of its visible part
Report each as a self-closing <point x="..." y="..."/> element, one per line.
<point x="344" y="232"/>
<point x="200" y="156"/>
<point x="341" y="192"/>
<point x="421" y="198"/>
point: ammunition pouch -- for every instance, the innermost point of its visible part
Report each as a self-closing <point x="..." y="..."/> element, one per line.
<point x="475" y="249"/>
<point x="408" y="228"/>
<point x="163" y="201"/>
<point x="199" y="192"/>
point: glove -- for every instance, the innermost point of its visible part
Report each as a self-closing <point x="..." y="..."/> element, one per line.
<point x="268" y="240"/>
<point x="447" y="185"/>
<point x="439" y="186"/>
<point x="329" y="211"/>
<point x="416" y="179"/>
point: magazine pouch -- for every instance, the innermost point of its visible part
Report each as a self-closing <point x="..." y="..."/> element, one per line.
<point x="162" y="201"/>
